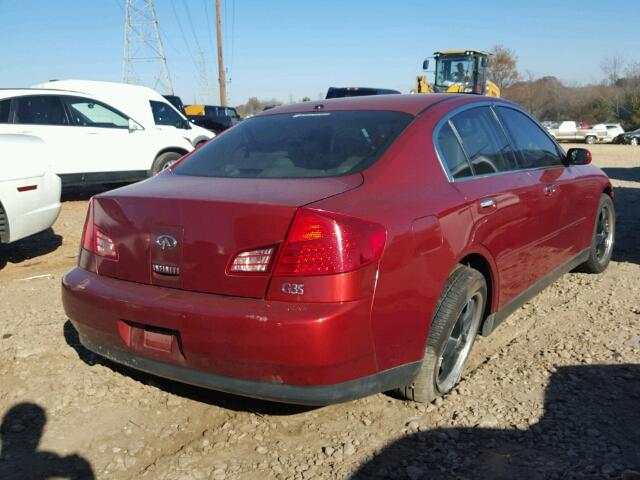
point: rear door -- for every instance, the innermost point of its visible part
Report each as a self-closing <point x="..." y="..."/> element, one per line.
<point x="502" y="198"/>
<point x="44" y="116"/>
<point x="108" y="150"/>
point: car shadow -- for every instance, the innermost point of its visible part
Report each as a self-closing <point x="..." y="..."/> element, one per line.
<point x="590" y="429"/>
<point x="72" y="194"/>
<point x="203" y="395"/>
<point x="29" y="247"/>
<point x="20" y="433"/>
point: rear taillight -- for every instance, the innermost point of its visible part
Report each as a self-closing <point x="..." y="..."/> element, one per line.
<point x="252" y="261"/>
<point x="321" y="243"/>
<point x="95" y="240"/>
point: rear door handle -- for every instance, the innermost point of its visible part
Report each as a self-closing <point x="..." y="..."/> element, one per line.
<point x="487" y="204"/>
<point x="549" y="189"/>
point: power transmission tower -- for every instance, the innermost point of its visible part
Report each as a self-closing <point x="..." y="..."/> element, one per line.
<point x="143" y="50"/>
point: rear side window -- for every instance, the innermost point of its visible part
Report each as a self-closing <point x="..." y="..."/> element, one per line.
<point x="484" y="141"/>
<point x="535" y="148"/>
<point x="452" y="154"/>
<point x="303" y="145"/>
<point x="4" y="110"/>
<point x="89" y="113"/>
<point x="40" y="110"/>
<point x="164" y="114"/>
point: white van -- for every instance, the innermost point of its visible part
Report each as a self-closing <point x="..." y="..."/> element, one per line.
<point x="147" y="106"/>
<point x="101" y="143"/>
<point x="29" y="190"/>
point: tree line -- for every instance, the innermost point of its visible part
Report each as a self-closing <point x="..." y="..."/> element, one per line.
<point x="614" y="100"/>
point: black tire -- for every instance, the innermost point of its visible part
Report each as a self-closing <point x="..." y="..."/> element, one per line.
<point x="463" y="286"/>
<point x="602" y="243"/>
<point x="590" y="140"/>
<point x="164" y="160"/>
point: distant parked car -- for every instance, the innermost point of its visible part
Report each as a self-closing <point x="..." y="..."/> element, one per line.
<point x="316" y="255"/>
<point x="341" y="92"/>
<point x="29" y="190"/>
<point x="574" y="132"/>
<point x="150" y="109"/>
<point x="214" y="118"/>
<point x="102" y="144"/>
<point x="176" y="101"/>
<point x="612" y="131"/>
<point x="629" y="138"/>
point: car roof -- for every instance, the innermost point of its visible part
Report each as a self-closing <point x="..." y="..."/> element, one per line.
<point x="15" y="92"/>
<point x="411" y="104"/>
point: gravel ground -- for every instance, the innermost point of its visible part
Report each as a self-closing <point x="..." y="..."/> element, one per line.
<point x="554" y="393"/>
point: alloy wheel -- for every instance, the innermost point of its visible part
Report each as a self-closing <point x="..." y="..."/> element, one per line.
<point x="459" y="343"/>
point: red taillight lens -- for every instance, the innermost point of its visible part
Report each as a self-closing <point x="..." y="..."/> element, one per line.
<point x="95" y="240"/>
<point x="321" y="243"/>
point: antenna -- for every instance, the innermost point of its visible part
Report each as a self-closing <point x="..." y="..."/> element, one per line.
<point x="143" y="49"/>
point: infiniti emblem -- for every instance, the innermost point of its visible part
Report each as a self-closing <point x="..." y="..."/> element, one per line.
<point x="166" y="242"/>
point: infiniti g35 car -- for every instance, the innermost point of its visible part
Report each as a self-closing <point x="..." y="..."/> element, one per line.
<point x="325" y="251"/>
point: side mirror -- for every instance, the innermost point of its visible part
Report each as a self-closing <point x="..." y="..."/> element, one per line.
<point x="133" y="126"/>
<point x="578" y="156"/>
<point x="425" y="65"/>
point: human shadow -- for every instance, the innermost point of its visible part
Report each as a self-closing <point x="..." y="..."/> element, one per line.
<point x="590" y="429"/>
<point x="203" y="395"/>
<point x="29" y="247"/>
<point x="20" y="434"/>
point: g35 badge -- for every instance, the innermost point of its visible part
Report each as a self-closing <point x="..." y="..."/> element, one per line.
<point x="292" y="288"/>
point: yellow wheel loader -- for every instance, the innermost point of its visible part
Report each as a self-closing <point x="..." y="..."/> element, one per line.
<point x="459" y="71"/>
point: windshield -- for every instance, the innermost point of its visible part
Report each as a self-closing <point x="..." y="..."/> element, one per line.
<point x="450" y="70"/>
<point x="297" y="145"/>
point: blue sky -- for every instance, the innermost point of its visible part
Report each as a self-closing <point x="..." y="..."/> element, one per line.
<point x="290" y="49"/>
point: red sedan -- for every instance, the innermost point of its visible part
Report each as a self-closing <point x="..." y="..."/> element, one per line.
<point x="325" y="251"/>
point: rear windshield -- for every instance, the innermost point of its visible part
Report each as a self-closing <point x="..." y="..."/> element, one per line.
<point x="297" y="145"/>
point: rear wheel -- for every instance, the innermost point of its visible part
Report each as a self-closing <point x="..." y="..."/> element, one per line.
<point x="163" y="161"/>
<point x="590" y="140"/>
<point x="603" y="238"/>
<point x="634" y="141"/>
<point x="453" y="331"/>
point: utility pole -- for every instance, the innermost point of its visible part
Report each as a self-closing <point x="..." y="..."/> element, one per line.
<point x="221" y="76"/>
<point x="143" y="45"/>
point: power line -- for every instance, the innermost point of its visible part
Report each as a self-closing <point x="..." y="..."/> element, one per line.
<point x="193" y="30"/>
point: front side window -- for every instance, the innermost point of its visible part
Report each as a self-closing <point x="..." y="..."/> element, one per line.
<point x="535" y="148"/>
<point x="39" y="110"/>
<point x="452" y="154"/>
<point x="4" y="110"/>
<point x="89" y="113"/>
<point x="164" y="114"/>
<point x="299" y="145"/>
<point x="484" y="141"/>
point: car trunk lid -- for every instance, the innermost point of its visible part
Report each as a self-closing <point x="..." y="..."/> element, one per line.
<point x="183" y="232"/>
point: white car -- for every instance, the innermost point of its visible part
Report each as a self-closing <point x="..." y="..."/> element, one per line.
<point x="101" y="143"/>
<point x="612" y="130"/>
<point x="145" y="105"/>
<point x="29" y="190"/>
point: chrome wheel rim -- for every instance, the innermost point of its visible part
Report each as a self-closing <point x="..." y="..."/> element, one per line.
<point x="459" y="343"/>
<point x="604" y="234"/>
<point x="168" y="164"/>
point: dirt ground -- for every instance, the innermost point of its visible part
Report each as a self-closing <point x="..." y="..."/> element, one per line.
<point x="553" y="393"/>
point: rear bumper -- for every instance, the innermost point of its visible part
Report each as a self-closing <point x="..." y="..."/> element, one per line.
<point x="311" y="353"/>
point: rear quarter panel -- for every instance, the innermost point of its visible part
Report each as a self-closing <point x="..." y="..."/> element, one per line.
<point x="427" y="232"/>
